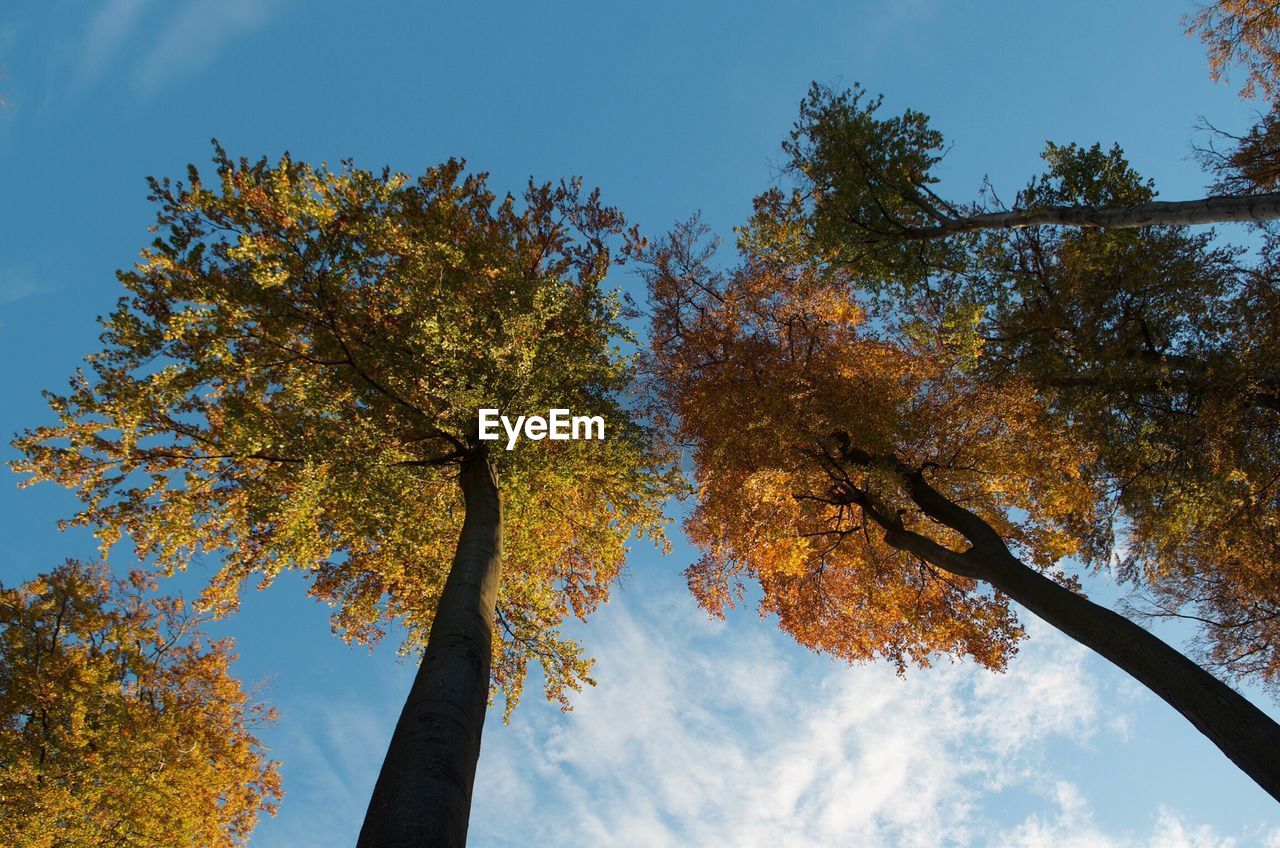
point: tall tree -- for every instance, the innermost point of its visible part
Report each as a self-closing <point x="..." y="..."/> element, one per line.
<point x="889" y="494"/>
<point x="1154" y="344"/>
<point x="294" y="379"/>
<point x="960" y="394"/>
<point x="120" y="723"/>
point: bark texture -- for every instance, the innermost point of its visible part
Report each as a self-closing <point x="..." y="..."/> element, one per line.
<point x="1247" y="735"/>
<point x="1182" y="213"/>
<point x="423" y="795"/>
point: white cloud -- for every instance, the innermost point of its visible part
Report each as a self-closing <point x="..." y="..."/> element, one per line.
<point x="17" y="286"/>
<point x="108" y="30"/>
<point x="195" y="33"/>
<point x="708" y="733"/>
<point x="1073" y="827"/>
<point x="157" y="44"/>
<point x="332" y="743"/>
<point x="718" y="739"/>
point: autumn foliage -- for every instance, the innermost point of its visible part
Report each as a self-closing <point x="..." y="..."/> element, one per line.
<point x="293" y="379"/>
<point x="120" y="723"/>
<point x="905" y="412"/>
<point x="1152" y="349"/>
<point x="773" y="369"/>
<point x="1242" y="33"/>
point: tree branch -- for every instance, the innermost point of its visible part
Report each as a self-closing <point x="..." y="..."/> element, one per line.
<point x="1181" y="213"/>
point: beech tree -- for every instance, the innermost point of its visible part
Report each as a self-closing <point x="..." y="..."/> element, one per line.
<point x="293" y="381"/>
<point x="120" y="723"/>
<point x="1156" y="345"/>
<point x="943" y="406"/>
<point x="889" y="495"/>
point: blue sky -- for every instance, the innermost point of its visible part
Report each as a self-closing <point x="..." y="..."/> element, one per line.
<point x="700" y="732"/>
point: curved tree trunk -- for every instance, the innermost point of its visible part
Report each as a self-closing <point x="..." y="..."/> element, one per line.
<point x="423" y="794"/>
<point x="1182" y="213"/>
<point x="1248" y="736"/>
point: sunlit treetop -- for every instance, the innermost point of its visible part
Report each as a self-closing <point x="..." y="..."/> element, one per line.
<point x="774" y="375"/>
<point x="120" y="723"/>
<point x="1153" y="346"/>
<point x="295" y="375"/>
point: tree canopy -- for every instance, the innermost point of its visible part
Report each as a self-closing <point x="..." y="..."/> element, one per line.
<point x="767" y="371"/>
<point x="120" y="723"/>
<point x="1153" y="347"/>
<point x="905" y="411"/>
<point x="891" y="491"/>
<point x="294" y="378"/>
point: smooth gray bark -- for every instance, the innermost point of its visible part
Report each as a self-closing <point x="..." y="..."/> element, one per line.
<point x="1248" y="736"/>
<point x="423" y="795"/>
<point x="1182" y="213"/>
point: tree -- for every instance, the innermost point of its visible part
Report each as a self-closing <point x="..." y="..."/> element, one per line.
<point x="961" y="399"/>
<point x="890" y="496"/>
<point x="120" y="723"/>
<point x="294" y="380"/>
<point x="1155" y="345"/>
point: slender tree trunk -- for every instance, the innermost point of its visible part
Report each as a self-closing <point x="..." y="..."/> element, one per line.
<point x="1182" y="213"/>
<point x="1248" y="736"/>
<point x="423" y="794"/>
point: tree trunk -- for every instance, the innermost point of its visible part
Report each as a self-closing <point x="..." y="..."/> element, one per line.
<point x="423" y="794"/>
<point x="1248" y="736"/>
<point x="1183" y="213"/>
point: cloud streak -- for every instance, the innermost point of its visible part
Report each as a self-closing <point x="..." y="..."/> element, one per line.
<point x="711" y="733"/>
<point x="15" y="286"/>
<point x="108" y="31"/>
<point x="721" y="740"/>
<point x="156" y="45"/>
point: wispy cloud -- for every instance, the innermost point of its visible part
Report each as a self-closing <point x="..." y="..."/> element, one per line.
<point x="108" y="31"/>
<point x="707" y="733"/>
<point x="1072" y="826"/>
<point x="16" y="286"/>
<point x="195" y="33"/>
<point x="332" y="745"/>
<point x="690" y="742"/>
<point x="156" y="44"/>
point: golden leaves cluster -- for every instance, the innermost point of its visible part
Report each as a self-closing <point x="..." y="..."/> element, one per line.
<point x="296" y="372"/>
<point x="1151" y="351"/>
<point x="120" y="723"/>
<point x="774" y="374"/>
